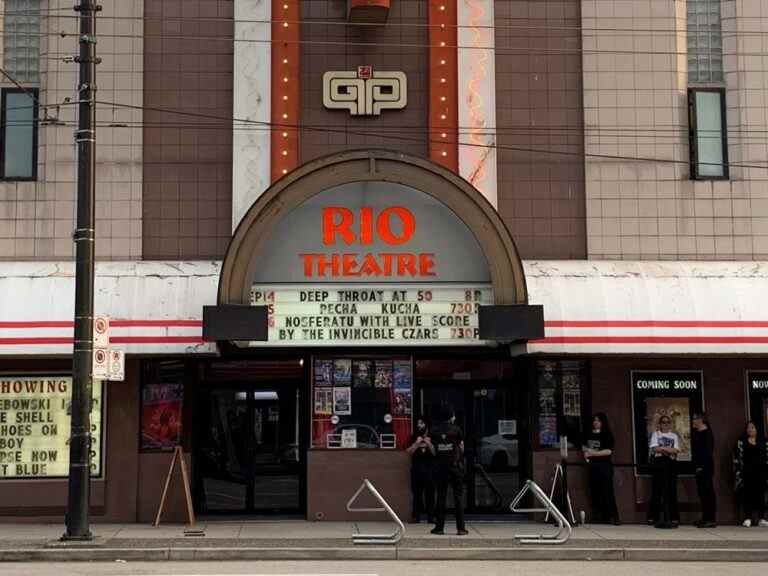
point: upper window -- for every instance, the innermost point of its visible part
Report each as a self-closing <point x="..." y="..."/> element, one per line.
<point x="705" y="42"/>
<point x="708" y="145"/>
<point x="19" y="134"/>
<point x="21" y="40"/>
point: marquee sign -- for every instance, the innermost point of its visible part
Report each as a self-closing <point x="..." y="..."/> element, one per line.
<point x="371" y="263"/>
<point x="35" y="414"/>
<point x="365" y="92"/>
<point x="334" y="314"/>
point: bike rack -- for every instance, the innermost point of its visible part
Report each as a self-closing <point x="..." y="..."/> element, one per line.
<point x="393" y="538"/>
<point x="549" y="507"/>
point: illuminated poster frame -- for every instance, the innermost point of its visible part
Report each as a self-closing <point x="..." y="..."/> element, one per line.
<point x="101" y="425"/>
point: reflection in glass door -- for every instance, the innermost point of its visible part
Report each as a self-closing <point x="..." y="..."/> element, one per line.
<point x="496" y="447"/>
<point x="248" y="459"/>
<point x="490" y="418"/>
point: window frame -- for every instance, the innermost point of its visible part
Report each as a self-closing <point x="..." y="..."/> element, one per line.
<point x="34" y="92"/>
<point x="693" y="130"/>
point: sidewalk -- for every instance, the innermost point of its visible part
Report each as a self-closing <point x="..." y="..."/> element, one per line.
<point x="301" y="540"/>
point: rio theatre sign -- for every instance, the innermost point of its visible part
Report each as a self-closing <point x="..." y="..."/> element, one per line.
<point x="371" y="263"/>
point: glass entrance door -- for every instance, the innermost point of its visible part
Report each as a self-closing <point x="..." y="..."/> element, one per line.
<point x="490" y="416"/>
<point x="249" y="458"/>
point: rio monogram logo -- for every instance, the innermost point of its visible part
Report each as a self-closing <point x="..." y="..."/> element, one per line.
<point x="365" y="92"/>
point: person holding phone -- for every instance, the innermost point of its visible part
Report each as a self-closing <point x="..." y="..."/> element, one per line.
<point x="664" y="448"/>
<point x="422" y="453"/>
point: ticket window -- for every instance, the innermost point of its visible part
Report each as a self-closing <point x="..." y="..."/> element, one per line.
<point x="675" y="394"/>
<point x="757" y="391"/>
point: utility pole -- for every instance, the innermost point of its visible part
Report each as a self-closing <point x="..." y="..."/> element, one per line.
<point x="78" y="500"/>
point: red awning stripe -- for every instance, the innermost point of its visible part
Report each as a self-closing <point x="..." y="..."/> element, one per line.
<point x="656" y="323"/>
<point x="652" y="340"/>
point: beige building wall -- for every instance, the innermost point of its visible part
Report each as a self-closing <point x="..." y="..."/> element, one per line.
<point x="37" y="218"/>
<point x="635" y="106"/>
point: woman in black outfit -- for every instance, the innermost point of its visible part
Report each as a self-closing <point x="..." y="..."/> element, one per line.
<point x="703" y="444"/>
<point x="751" y="463"/>
<point x="598" y="452"/>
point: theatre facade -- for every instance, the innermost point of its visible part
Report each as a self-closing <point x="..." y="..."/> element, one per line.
<point x="335" y="218"/>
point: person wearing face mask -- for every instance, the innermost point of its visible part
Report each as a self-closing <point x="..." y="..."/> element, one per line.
<point x="422" y="453"/>
<point x="703" y="444"/>
<point x="751" y="463"/>
<point x="664" y="448"/>
<point x="598" y="453"/>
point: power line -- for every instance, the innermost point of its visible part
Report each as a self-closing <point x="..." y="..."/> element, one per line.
<point x="400" y="45"/>
<point x="394" y="24"/>
<point x="400" y="137"/>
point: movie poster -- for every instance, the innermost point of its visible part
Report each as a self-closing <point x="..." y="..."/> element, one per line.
<point x="548" y="430"/>
<point x="161" y="416"/>
<point x="678" y="409"/>
<point x="402" y="402"/>
<point x="362" y="373"/>
<point x="342" y="372"/>
<point x="323" y="401"/>
<point x="384" y="375"/>
<point x="342" y="401"/>
<point x="324" y="372"/>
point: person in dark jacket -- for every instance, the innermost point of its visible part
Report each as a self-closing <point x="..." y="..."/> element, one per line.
<point x="598" y="453"/>
<point x="703" y="445"/>
<point x="448" y="440"/>
<point x="751" y="464"/>
<point x="422" y="453"/>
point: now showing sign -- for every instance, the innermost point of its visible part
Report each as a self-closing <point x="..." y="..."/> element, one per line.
<point x="35" y="412"/>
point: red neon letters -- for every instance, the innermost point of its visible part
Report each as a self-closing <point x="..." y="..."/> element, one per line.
<point x="339" y="224"/>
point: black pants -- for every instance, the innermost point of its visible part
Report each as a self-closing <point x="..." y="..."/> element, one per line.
<point x="423" y="490"/>
<point x="706" y="488"/>
<point x="664" y="507"/>
<point x="753" y="498"/>
<point x="453" y="476"/>
<point x="601" y="490"/>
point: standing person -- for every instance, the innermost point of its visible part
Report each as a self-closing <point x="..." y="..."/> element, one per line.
<point x="422" y="453"/>
<point x="703" y="444"/>
<point x="664" y="447"/>
<point x="751" y="462"/>
<point x="598" y="453"/>
<point x="448" y="469"/>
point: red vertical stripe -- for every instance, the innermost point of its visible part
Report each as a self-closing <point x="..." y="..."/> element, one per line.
<point x="285" y="87"/>
<point x="443" y="84"/>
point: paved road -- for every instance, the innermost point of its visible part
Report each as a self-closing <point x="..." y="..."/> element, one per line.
<point x="423" y="568"/>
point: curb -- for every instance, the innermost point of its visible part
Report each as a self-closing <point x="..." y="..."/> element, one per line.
<point x="368" y="553"/>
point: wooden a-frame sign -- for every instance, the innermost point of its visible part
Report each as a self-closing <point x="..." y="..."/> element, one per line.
<point x="178" y="455"/>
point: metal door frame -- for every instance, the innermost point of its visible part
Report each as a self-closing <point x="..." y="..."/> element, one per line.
<point x="205" y="391"/>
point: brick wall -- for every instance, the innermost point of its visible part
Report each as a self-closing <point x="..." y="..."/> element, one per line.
<point x="37" y="218"/>
<point x="539" y="113"/>
<point x="405" y="38"/>
<point x="188" y="158"/>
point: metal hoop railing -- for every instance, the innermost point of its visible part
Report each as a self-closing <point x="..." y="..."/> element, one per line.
<point x="549" y="507"/>
<point x="393" y="538"/>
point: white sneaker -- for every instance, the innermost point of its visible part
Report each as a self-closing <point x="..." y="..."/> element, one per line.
<point x="747" y="523"/>
<point x="763" y="523"/>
